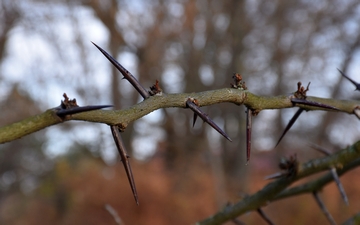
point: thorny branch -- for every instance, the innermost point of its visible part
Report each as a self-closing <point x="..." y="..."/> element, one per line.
<point x="271" y="191"/>
<point x="123" y="117"/>
<point x="237" y="94"/>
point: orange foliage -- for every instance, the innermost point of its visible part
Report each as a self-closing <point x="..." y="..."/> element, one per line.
<point x="77" y="194"/>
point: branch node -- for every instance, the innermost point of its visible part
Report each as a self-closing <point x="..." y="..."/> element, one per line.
<point x="155" y="89"/>
<point x="239" y="83"/>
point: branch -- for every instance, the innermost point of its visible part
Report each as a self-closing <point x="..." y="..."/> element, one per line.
<point x="123" y="117"/>
<point x="273" y="189"/>
<point x="317" y="184"/>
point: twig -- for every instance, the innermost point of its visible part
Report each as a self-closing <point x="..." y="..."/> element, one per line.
<point x="316" y="184"/>
<point x="270" y="191"/>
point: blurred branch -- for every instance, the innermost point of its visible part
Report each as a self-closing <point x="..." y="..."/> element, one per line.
<point x="272" y="190"/>
<point x="123" y="117"/>
<point x="317" y="184"/>
<point x="355" y="220"/>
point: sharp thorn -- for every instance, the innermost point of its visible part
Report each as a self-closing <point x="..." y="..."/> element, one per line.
<point x="70" y="111"/>
<point x="357" y="85"/>
<point x="311" y="103"/>
<point x="194" y="119"/>
<point x="264" y="216"/>
<point x="289" y="125"/>
<point x="339" y="185"/>
<point x="323" y="208"/>
<point x="127" y="75"/>
<point x="320" y="149"/>
<point x="205" y="118"/>
<point x="124" y="159"/>
<point x="248" y="134"/>
<point x="274" y="176"/>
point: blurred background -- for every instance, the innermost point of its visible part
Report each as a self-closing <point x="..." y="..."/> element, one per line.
<point x="66" y="174"/>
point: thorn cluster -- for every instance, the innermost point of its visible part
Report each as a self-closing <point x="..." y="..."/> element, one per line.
<point x="299" y="97"/>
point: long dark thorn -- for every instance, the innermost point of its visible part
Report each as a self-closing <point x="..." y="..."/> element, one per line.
<point x="205" y="118"/>
<point x="124" y="159"/>
<point x="65" y="112"/>
<point x="127" y="75"/>
<point x="264" y="216"/>
<point x="311" y="103"/>
<point x="289" y="125"/>
<point x="194" y="119"/>
<point x="357" y="85"/>
<point x="323" y="208"/>
<point x="338" y="183"/>
<point x="248" y="134"/>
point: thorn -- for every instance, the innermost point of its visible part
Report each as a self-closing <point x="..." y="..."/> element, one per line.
<point x="357" y="112"/>
<point x="264" y="216"/>
<point x="311" y="103"/>
<point x="191" y="103"/>
<point x="333" y="173"/>
<point x="238" y="222"/>
<point x="357" y="85"/>
<point x="274" y="176"/>
<point x="114" y="214"/>
<point x="71" y="111"/>
<point x="127" y="75"/>
<point x="323" y="208"/>
<point x="124" y="159"/>
<point x="289" y="125"/>
<point x="194" y="119"/>
<point x="338" y="183"/>
<point x="248" y="134"/>
<point x="320" y="149"/>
